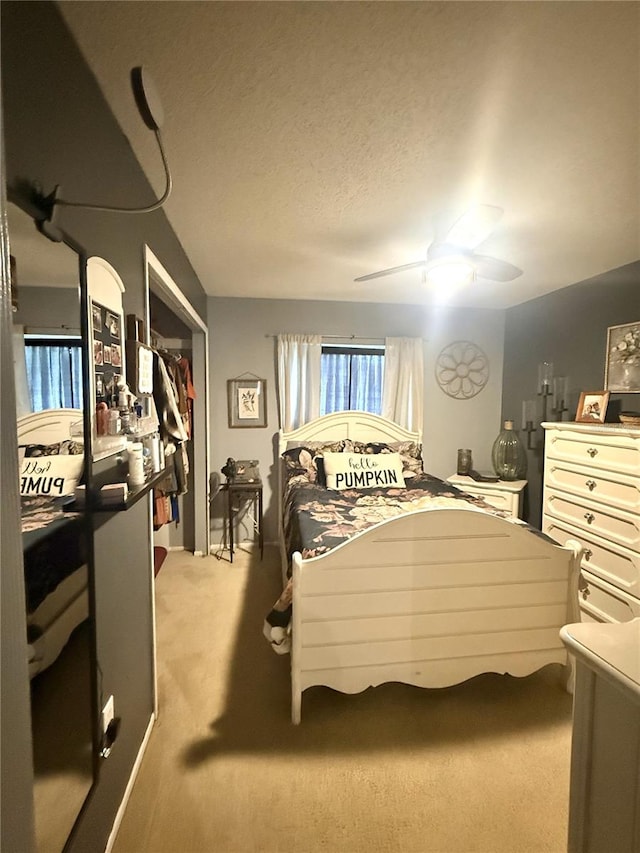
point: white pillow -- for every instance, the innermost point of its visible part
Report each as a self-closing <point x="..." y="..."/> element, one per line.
<point x="363" y="470"/>
<point x="53" y="476"/>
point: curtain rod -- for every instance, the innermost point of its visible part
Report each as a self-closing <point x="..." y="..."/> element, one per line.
<point x="337" y="337"/>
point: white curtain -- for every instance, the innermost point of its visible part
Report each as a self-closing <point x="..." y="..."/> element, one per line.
<point x="403" y="387"/>
<point x="299" y="373"/>
<point x="23" y="400"/>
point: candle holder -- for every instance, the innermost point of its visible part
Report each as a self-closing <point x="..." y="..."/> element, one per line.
<point x="560" y="396"/>
<point x="529" y="420"/>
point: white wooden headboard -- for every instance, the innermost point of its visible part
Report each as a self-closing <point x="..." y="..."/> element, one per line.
<point x="49" y="426"/>
<point x="358" y="426"/>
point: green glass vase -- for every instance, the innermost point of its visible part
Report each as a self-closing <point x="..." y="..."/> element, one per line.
<point x="508" y="454"/>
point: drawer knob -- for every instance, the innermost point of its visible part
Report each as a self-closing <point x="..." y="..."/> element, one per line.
<point x="590" y="517"/>
<point x="588" y="554"/>
<point x="591" y="484"/>
<point x="592" y="451"/>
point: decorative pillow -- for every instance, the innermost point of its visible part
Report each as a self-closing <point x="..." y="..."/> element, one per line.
<point x="363" y="470"/>
<point x="304" y="461"/>
<point x="52" y="470"/>
<point x="410" y="453"/>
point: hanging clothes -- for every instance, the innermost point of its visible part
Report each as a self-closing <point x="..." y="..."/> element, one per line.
<point x="170" y="397"/>
<point x="185" y="369"/>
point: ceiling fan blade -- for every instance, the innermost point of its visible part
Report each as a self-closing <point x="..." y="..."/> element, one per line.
<point x="390" y="271"/>
<point x="474" y="226"/>
<point x="495" y="269"/>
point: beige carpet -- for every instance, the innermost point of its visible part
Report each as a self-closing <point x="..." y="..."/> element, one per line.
<point x="483" y="766"/>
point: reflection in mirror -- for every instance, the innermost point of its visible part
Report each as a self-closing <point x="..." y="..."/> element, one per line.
<point x="48" y="364"/>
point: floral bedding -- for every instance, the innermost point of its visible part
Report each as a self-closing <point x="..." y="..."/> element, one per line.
<point x="317" y="519"/>
<point x="53" y="546"/>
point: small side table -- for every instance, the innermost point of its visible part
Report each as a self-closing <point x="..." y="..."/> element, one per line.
<point x="505" y="494"/>
<point x="245" y="486"/>
<point x="604" y="800"/>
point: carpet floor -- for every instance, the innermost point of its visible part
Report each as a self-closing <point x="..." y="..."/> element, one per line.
<point x="482" y="767"/>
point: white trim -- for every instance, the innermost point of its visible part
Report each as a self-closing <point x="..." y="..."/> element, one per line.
<point x="132" y="778"/>
<point x="174" y="297"/>
<point x="152" y="584"/>
<point x="172" y="289"/>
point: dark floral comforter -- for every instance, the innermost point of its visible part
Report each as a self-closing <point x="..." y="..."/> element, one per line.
<point x="53" y="546"/>
<point x="317" y="519"/>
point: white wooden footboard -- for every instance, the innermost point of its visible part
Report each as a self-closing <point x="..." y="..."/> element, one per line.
<point x="431" y="598"/>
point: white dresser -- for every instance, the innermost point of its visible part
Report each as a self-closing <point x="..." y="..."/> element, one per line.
<point x="503" y="494"/>
<point x="592" y="494"/>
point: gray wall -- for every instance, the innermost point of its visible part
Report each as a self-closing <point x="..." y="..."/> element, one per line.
<point x="242" y="339"/>
<point x="59" y="130"/>
<point x="47" y="310"/>
<point x="569" y="328"/>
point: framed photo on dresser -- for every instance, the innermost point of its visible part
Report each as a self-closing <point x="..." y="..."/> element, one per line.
<point x="592" y="407"/>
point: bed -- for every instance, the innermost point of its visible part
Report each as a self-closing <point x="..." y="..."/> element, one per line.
<point x="441" y="591"/>
<point x="54" y="541"/>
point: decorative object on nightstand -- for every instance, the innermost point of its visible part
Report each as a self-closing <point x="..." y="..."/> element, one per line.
<point x="464" y="461"/>
<point x="508" y="454"/>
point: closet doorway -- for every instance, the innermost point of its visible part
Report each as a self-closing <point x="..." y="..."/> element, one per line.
<point x="182" y="332"/>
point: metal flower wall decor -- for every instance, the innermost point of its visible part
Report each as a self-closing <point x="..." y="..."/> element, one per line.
<point x="462" y="370"/>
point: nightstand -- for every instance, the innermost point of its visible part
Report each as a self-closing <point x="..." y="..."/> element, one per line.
<point x="244" y="488"/>
<point x="505" y="494"/>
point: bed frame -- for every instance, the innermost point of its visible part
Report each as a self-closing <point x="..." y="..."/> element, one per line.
<point x="431" y="598"/>
<point x="68" y="605"/>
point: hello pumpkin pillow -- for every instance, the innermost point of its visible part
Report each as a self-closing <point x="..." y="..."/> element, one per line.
<point x="363" y="471"/>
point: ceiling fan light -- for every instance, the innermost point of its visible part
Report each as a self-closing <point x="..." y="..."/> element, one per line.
<point x="450" y="273"/>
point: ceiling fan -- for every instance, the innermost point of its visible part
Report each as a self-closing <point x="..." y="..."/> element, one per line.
<point x="453" y="260"/>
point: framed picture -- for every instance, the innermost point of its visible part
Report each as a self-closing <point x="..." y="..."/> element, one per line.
<point x="96" y="317"/>
<point x="139" y="368"/>
<point x="622" y="370"/>
<point x="592" y="407"/>
<point x="246" y="402"/>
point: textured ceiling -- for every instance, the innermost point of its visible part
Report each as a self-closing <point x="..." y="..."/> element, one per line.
<point x="313" y="142"/>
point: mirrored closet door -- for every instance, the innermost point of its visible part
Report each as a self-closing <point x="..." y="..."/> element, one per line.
<point x="48" y="357"/>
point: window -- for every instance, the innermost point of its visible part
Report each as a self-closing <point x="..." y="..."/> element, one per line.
<point x="351" y="378"/>
<point x="54" y="372"/>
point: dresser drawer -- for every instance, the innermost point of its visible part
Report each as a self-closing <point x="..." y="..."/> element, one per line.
<point x="604" y="603"/>
<point x="614" y="490"/>
<point x="614" y="452"/>
<point x="618" y="526"/>
<point x="614" y="564"/>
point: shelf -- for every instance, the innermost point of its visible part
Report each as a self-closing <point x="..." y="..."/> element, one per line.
<point x="135" y="494"/>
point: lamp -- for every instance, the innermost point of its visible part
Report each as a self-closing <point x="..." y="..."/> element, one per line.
<point x="450" y="274"/>
<point x="548" y="386"/>
<point x="449" y="266"/>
